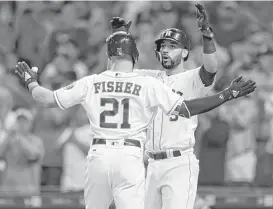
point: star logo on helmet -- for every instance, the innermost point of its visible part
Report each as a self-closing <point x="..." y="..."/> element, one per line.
<point x="119" y="51"/>
<point x="168" y="33"/>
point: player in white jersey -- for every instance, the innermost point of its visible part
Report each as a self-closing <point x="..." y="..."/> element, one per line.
<point x="173" y="169"/>
<point x="120" y="105"/>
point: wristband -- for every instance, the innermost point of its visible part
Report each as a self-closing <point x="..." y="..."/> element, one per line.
<point x="32" y="86"/>
<point x="30" y="80"/>
<point x="226" y="95"/>
<point x="207" y="32"/>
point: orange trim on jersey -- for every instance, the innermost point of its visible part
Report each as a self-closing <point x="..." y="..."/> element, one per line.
<point x="190" y="186"/>
<point x="57" y="100"/>
<point x="161" y="130"/>
<point x="180" y="98"/>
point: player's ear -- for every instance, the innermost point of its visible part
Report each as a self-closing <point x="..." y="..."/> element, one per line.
<point x="109" y="64"/>
<point x="185" y="53"/>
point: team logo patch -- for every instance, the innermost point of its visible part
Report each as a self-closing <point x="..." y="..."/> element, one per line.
<point x="70" y="86"/>
<point x="235" y="93"/>
<point x="168" y="33"/>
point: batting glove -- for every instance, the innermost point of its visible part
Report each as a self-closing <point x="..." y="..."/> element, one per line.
<point x="26" y="74"/>
<point x="202" y="21"/>
<point x="238" y="88"/>
<point x="119" y="24"/>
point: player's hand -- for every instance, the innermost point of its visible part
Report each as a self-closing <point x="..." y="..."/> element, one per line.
<point x="119" y="24"/>
<point x="26" y="74"/>
<point x="239" y="88"/>
<point x="202" y="20"/>
<point x="202" y="17"/>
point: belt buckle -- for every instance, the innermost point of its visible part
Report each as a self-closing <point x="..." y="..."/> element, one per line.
<point x="149" y="154"/>
<point x="114" y="143"/>
<point x="95" y="142"/>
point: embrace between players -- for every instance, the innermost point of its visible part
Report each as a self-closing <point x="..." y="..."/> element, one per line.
<point x="125" y="104"/>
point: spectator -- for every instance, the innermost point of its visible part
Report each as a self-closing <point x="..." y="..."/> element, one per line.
<point x="146" y="46"/>
<point x="6" y="105"/>
<point x="49" y="125"/>
<point x="65" y="63"/>
<point x="6" y="119"/>
<point x="228" y="20"/>
<point x="73" y="12"/>
<point x="213" y="149"/>
<point x="78" y="35"/>
<point x="23" y="153"/>
<point x="241" y="148"/>
<point x="7" y="38"/>
<point x="75" y="141"/>
<point x="264" y="151"/>
<point x="30" y="34"/>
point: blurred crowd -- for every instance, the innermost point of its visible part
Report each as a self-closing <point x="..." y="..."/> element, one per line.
<point x="66" y="41"/>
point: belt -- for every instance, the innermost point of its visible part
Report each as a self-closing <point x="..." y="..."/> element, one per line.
<point x="164" y="154"/>
<point x="127" y="142"/>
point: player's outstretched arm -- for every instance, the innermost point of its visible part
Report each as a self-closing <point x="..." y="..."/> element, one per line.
<point x="209" y="68"/>
<point x="64" y="97"/>
<point x="237" y="88"/>
<point x="29" y="77"/>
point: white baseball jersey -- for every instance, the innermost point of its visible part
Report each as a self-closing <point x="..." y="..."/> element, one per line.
<point x="174" y="132"/>
<point x="119" y="105"/>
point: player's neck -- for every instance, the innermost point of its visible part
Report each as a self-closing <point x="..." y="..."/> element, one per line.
<point x="178" y="69"/>
<point x="122" y="66"/>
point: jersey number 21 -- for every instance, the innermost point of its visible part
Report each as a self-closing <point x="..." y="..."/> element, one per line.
<point x="114" y="111"/>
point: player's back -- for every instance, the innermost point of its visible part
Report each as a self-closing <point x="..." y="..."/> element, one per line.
<point x="122" y="105"/>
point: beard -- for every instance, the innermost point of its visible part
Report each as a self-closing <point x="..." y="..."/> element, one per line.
<point x="171" y="62"/>
<point x="168" y="64"/>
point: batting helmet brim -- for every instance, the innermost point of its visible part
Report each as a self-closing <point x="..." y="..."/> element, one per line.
<point x="158" y="41"/>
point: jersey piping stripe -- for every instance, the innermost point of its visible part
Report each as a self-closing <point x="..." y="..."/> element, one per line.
<point x="175" y="104"/>
<point x="58" y="101"/>
<point x="161" y="130"/>
<point x="153" y="135"/>
<point x="162" y="118"/>
<point x="189" y="189"/>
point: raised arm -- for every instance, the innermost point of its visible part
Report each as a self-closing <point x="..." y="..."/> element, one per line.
<point x="237" y="88"/>
<point x="209" y="68"/>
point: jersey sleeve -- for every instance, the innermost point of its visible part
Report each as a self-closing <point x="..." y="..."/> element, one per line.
<point x="72" y="94"/>
<point x="146" y="72"/>
<point x="197" y="84"/>
<point x="160" y="95"/>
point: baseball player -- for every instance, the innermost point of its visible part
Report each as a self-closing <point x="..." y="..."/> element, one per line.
<point x="120" y="105"/>
<point x="173" y="169"/>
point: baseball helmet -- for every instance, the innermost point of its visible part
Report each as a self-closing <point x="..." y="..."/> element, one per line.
<point x="122" y="43"/>
<point x="173" y="34"/>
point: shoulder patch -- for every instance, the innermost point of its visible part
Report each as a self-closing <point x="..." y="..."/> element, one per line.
<point x="70" y="86"/>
